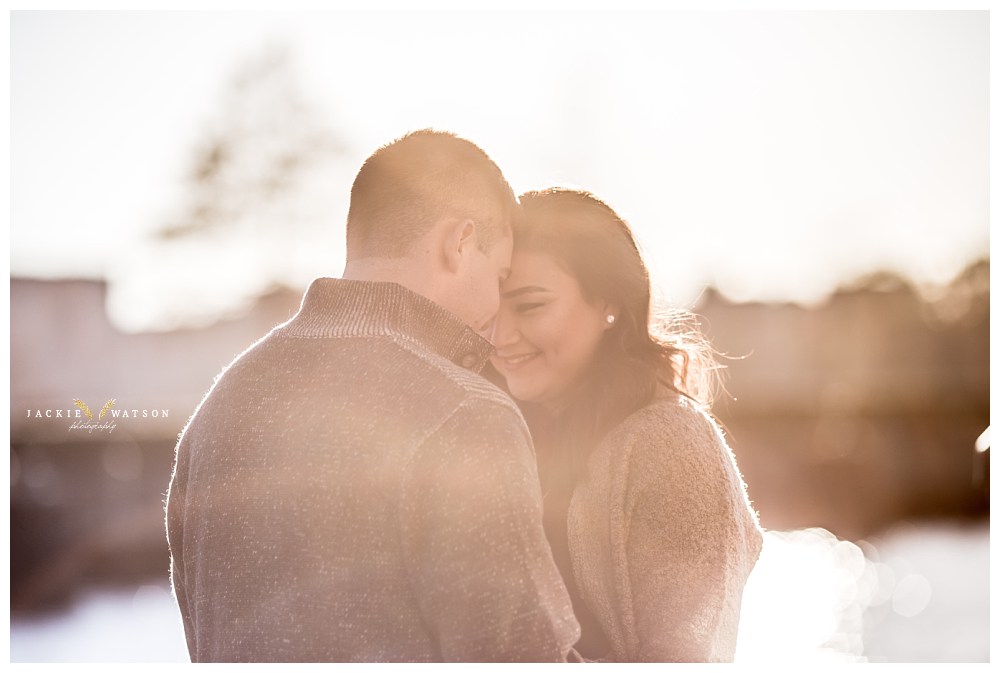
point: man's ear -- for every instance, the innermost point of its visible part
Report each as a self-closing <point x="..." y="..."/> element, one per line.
<point x="459" y="241"/>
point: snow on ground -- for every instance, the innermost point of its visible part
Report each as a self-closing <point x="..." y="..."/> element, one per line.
<point x="919" y="593"/>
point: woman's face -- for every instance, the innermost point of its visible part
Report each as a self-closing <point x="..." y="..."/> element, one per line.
<point x="546" y="332"/>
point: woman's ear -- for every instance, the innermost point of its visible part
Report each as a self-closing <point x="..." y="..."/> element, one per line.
<point x="459" y="240"/>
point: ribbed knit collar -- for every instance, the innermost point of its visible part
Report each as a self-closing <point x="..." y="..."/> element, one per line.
<point x="334" y="307"/>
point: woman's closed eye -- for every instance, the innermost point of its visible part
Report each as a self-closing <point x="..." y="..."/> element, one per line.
<point x="528" y="306"/>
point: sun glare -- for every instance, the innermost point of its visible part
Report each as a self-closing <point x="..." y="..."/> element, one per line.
<point x="806" y="599"/>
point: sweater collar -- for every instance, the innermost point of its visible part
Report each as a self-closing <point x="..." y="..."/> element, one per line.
<point x="334" y="307"/>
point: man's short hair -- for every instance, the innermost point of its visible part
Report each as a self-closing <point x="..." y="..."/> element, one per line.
<point x="414" y="181"/>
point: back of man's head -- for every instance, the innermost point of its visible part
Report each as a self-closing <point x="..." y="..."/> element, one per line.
<point x="407" y="186"/>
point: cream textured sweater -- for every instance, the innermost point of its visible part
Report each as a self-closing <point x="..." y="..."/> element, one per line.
<point x="662" y="536"/>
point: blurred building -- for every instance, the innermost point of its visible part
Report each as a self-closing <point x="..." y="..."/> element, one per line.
<point x="86" y="502"/>
<point x="849" y="416"/>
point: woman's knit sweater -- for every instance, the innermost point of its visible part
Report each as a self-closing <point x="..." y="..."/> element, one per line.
<point x="663" y="537"/>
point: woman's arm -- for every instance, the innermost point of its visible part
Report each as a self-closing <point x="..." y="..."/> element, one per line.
<point x="691" y="541"/>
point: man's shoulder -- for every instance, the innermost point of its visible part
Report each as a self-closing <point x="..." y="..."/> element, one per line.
<point x="440" y="374"/>
<point x="391" y="373"/>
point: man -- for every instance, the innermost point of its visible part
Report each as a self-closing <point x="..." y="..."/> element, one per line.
<point x="351" y="489"/>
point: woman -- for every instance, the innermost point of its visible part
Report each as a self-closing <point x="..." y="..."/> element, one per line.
<point x="645" y="510"/>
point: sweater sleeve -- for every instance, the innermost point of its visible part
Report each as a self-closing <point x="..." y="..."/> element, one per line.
<point x="176" y="495"/>
<point x="471" y="529"/>
<point x="691" y="542"/>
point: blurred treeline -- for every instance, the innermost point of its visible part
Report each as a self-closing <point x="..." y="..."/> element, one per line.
<point x="865" y="410"/>
<point x="851" y="416"/>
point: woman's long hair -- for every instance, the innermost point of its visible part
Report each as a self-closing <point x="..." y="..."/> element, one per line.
<point x="637" y="355"/>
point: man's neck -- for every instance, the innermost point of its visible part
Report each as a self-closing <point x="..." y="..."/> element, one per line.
<point x="399" y="270"/>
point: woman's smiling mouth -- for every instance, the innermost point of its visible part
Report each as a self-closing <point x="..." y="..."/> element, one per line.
<point x="513" y="361"/>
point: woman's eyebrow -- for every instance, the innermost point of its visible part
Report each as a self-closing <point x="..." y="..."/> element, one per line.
<point x="523" y="290"/>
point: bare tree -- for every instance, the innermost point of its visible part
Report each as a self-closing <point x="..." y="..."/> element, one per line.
<point x="256" y="203"/>
<point x="255" y="155"/>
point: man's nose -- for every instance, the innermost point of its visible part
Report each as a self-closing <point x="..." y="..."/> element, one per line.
<point x="488" y="329"/>
<point x="503" y="333"/>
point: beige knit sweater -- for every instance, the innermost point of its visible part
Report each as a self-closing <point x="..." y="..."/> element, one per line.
<point x="662" y="536"/>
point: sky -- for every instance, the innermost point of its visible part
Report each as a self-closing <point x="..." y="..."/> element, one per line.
<point x="773" y="155"/>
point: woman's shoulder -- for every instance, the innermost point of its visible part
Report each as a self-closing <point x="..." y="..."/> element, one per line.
<point x="668" y="416"/>
<point x="673" y="445"/>
<point x="671" y="438"/>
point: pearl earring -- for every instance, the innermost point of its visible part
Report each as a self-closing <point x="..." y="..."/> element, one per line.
<point x="611" y="320"/>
